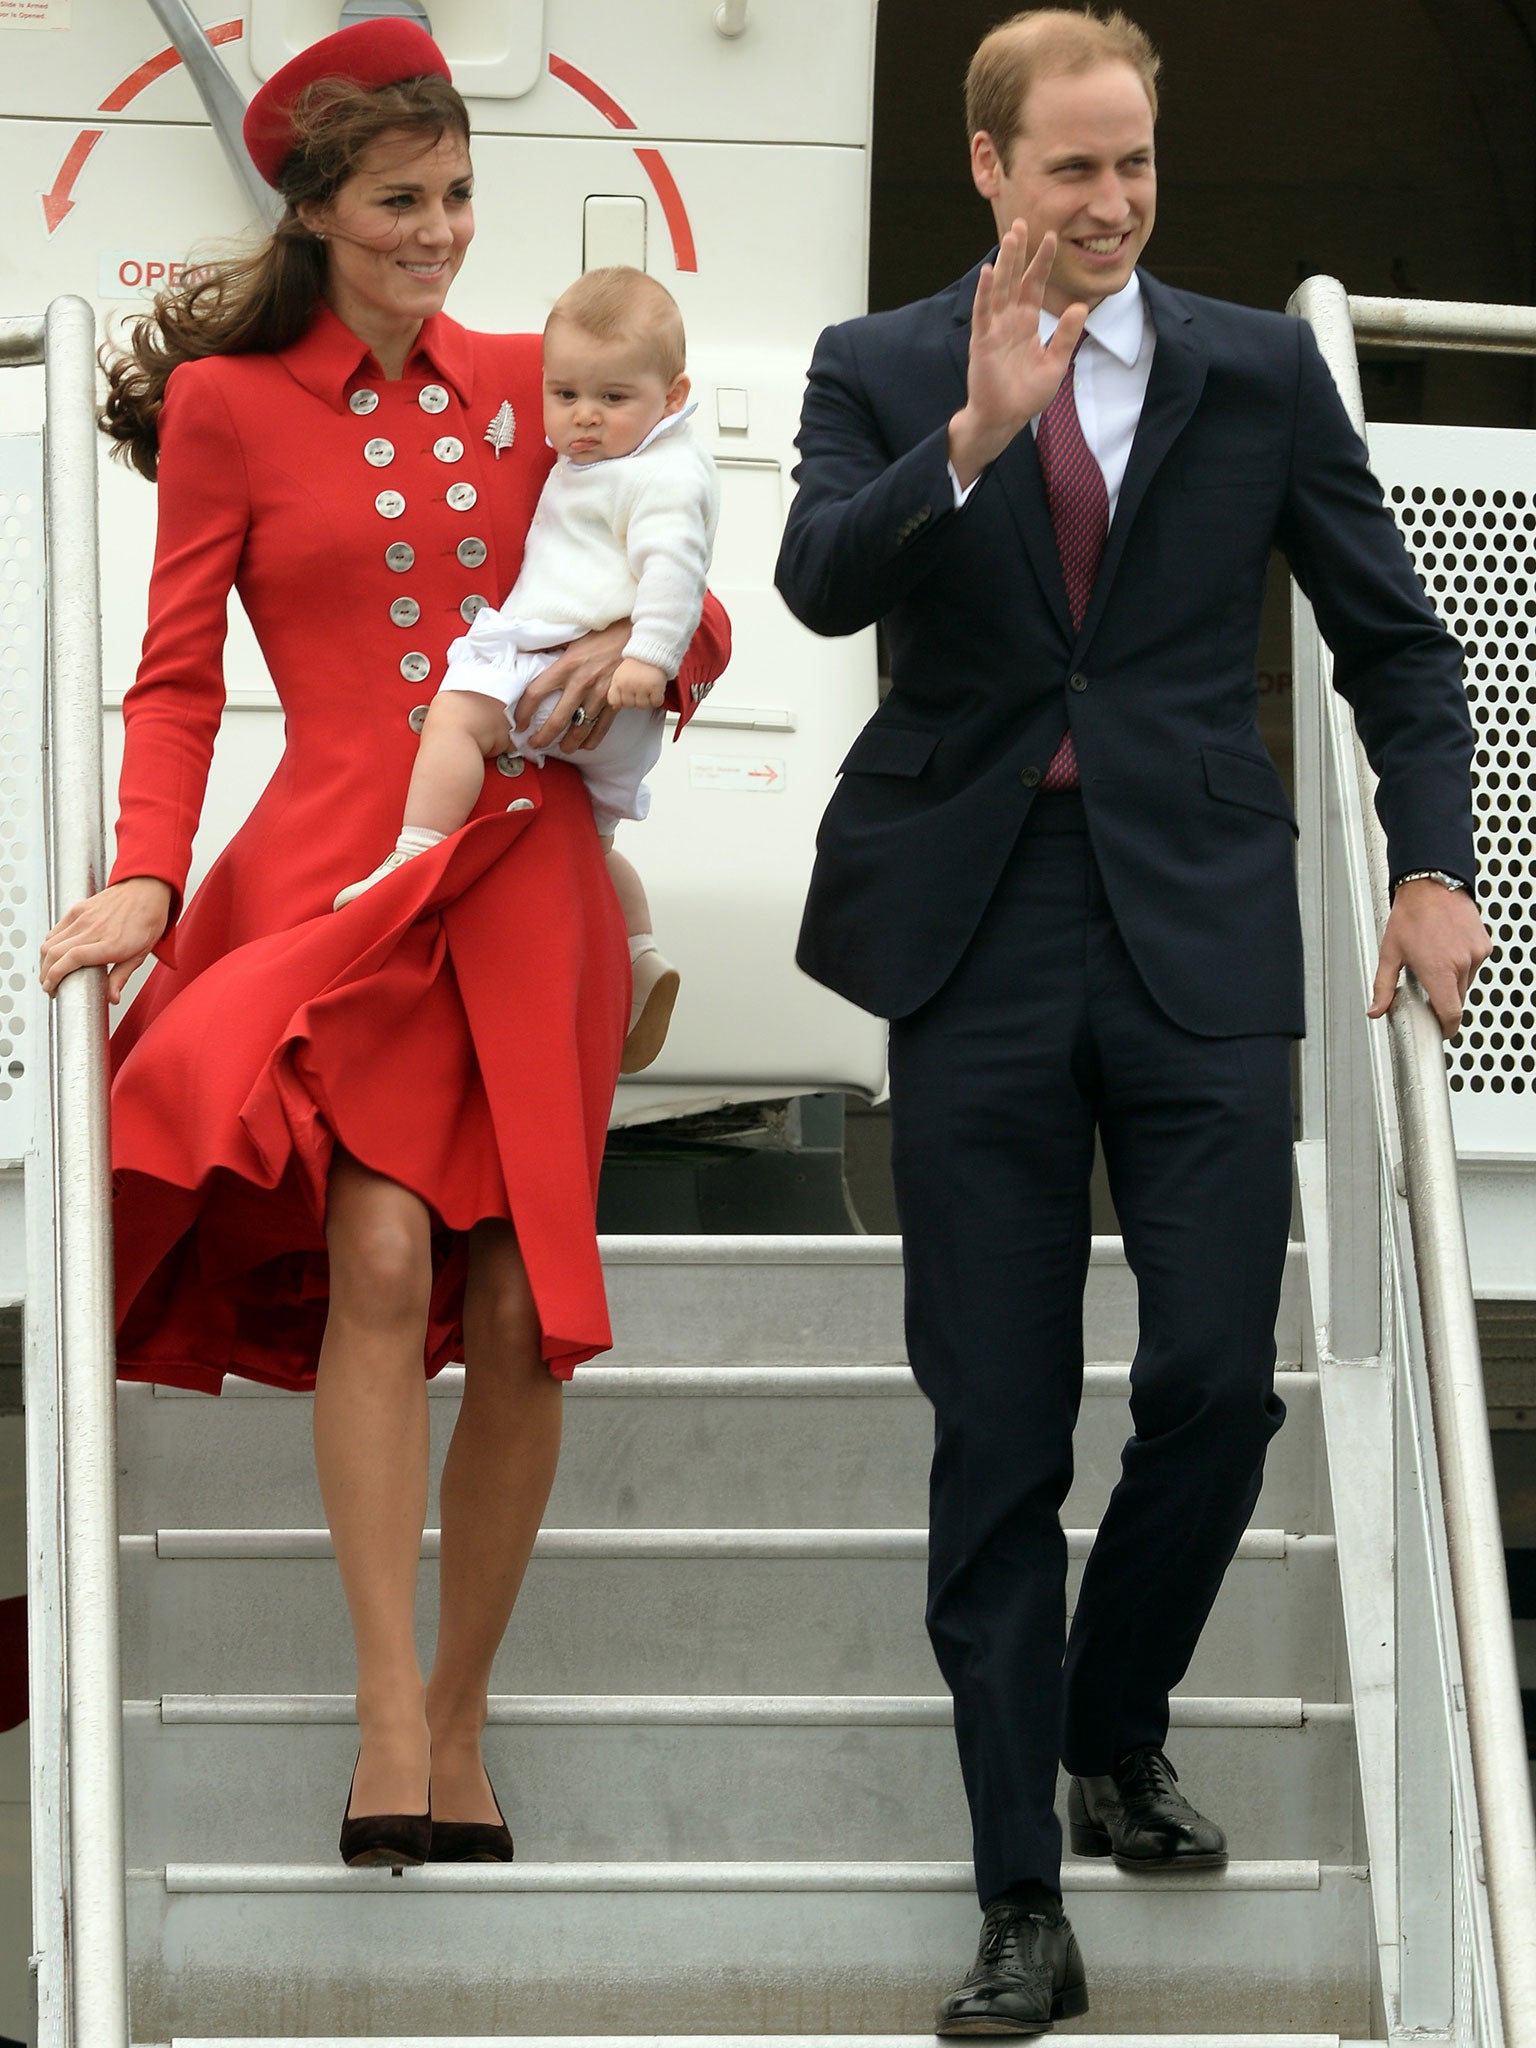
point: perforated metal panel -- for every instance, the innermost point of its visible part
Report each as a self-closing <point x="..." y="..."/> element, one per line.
<point x="22" y="890"/>
<point x="1466" y="501"/>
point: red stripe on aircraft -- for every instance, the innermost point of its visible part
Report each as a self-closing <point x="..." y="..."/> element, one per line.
<point x="590" y="91"/>
<point x="157" y="67"/>
<point x="654" y="164"/>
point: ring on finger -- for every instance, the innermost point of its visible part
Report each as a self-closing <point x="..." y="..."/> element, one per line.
<point x="578" y="716"/>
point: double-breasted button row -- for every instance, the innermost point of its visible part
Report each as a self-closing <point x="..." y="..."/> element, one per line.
<point x="431" y="398"/>
<point x="913" y="524"/>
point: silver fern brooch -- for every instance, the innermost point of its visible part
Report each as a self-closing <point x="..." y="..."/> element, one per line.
<point x="503" y="429"/>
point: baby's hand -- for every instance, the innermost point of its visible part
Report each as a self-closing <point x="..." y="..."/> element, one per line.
<point x="637" y="683"/>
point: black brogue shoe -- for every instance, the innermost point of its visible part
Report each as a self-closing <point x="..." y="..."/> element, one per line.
<point x="1139" y="1816"/>
<point x="1028" y="1974"/>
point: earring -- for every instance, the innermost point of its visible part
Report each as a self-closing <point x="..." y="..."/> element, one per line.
<point x="319" y="235"/>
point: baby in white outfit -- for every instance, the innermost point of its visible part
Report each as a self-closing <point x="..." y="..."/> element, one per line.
<point x="624" y="529"/>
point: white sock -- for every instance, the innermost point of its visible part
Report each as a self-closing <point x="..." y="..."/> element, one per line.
<point x="640" y="942"/>
<point x="418" y="839"/>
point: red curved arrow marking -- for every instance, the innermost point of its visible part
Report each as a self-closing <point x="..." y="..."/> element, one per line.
<point x="157" y="67"/>
<point x="590" y="90"/>
<point x="57" y="203"/>
<point x="652" y="162"/>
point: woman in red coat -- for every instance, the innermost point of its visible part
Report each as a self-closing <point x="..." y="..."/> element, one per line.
<point x="347" y="1143"/>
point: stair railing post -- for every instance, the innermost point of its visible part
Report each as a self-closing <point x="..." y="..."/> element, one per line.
<point x="98" y="1939"/>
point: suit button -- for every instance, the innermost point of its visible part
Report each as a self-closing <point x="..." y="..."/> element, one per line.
<point x="1078" y="681"/>
<point x="417" y="718"/>
<point x="521" y="803"/>
<point x="405" y="611"/>
<point x="389" y="504"/>
<point x="471" y="552"/>
<point x="415" y="667"/>
<point x="510" y="764"/>
<point x="1030" y="777"/>
<point x="379" y="453"/>
<point x="472" y="607"/>
<point x="432" y="398"/>
<point x="448" y="449"/>
<point x="462" y="496"/>
<point x="400" y="556"/>
<point x="363" y="401"/>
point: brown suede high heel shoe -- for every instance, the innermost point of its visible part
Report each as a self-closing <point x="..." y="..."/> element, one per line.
<point x="396" y="1839"/>
<point x="472" y="1841"/>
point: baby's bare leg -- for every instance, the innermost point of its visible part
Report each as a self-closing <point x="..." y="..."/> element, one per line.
<point x="628" y="888"/>
<point x="463" y="728"/>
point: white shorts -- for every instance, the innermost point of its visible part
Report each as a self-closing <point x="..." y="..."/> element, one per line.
<point x="503" y="658"/>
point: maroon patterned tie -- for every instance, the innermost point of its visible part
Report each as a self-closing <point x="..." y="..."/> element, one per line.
<point x="1074" y="486"/>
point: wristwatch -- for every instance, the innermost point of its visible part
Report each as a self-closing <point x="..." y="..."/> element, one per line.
<point x="1430" y="875"/>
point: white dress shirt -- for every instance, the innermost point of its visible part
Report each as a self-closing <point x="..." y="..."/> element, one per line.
<point x="1109" y="383"/>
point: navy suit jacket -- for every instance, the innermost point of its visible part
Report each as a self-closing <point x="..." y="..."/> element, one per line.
<point x="1243" y="446"/>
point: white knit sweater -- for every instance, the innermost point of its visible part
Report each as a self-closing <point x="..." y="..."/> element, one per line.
<point x="626" y="537"/>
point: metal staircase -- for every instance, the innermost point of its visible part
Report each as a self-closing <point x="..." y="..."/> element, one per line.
<point x="717" y="1730"/>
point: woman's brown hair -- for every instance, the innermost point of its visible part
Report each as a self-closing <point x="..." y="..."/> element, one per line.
<point x="248" y="304"/>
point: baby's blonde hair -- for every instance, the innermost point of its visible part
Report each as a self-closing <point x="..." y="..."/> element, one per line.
<point x="619" y="303"/>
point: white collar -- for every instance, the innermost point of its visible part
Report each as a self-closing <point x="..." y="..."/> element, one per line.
<point x="1117" y="323"/>
<point x="667" y="424"/>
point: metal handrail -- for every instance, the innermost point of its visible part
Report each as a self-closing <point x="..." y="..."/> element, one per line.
<point x="97" y="1905"/>
<point x="1448" y="1317"/>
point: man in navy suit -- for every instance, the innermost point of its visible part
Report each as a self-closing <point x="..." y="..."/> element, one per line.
<point x="1061" y="862"/>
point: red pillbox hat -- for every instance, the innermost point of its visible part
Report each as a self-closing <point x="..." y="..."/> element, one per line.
<point x="369" y="53"/>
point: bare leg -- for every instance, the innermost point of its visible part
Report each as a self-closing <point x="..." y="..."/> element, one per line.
<point x="371" y="1456"/>
<point x="629" y="889"/>
<point x="461" y="730"/>
<point x="496" y="1481"/>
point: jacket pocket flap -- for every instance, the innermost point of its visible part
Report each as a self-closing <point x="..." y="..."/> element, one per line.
<point x="890" y="750"/>
<point x="1247" y="779"/>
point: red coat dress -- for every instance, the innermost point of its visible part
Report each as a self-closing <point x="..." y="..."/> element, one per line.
<point x="457" y="1028"/>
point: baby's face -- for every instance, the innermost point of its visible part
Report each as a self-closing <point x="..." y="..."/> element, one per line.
<point x="601" y="398"/>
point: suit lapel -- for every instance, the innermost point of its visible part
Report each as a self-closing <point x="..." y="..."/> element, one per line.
<point x="1177" y="379"/>
<point x="1017" y="471"/>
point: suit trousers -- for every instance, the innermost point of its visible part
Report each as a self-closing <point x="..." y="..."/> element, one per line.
<point x="1045" y="1033"/>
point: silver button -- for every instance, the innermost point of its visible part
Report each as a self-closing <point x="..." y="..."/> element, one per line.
<point x="389" y="504"/>
<point x="400" y="556"/>
<point x="448" y="449"/>
<point x="462" y="496"/>
<point x="415" y="667"/>
<point x="363" y="401"/>
<point x="472" y="607"/>
<point x="405" y="611"/>
<point x="521" y="803"/>
<point x="510" y="764"/>
<point x="432" y="398"/>
<point x="418" y="718"/>
<point x="379" y="452"/>
<point x="471" y="552"/>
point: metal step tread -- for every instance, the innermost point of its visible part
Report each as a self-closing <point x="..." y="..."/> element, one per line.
<point x="792" y="1710"/>
<point x="749" y="2041"/>
<point x="1077" y="1875"/>
<point x="1273" y="1545"/>
<point x="600" y="1381"/>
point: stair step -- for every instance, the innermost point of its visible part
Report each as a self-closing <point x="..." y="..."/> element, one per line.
<point x="757" y="1544"/>
<point x="1077" y="2040"/>
<point x="639" y="1611"/>
<point x="747" y="1300"/>
<point x="696" y="1948"/>
<point x="763" y="1779"/>
<point x="669" y="1446"/>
